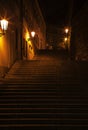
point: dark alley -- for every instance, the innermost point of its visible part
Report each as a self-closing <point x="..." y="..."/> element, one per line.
<point x="44" y="64"/>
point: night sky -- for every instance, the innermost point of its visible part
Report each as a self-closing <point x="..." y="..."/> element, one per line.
<point x="57" y="11"/>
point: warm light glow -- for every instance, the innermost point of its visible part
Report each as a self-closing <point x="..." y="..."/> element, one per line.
<point x="32" y="33"/>
<point x="66" y="30"/>
<point x="4" y="59"/>
<point x="27" y="36"/>
<point x="30" y="51"/>
<point x="4" y="24"/>
<point x="65" y="39"/>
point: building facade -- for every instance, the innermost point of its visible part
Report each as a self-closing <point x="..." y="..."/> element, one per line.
<point x="23" y="18"/>
<point x="79" y="34"/>
<point x="33" y="21"/>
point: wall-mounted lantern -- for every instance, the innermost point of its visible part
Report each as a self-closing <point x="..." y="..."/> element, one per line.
<point x="3" y="26"/>
<point x="32" y="34"/>
<point x="29" y="38"/>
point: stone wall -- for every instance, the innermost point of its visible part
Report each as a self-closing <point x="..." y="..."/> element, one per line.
<point x="79" y="36"/>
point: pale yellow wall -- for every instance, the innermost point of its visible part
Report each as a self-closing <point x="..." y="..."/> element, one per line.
<point x="30" y="50"/>
<point x="8" y="51"/>
<point x="26" y="35"/>
<point x="4" y="51"/>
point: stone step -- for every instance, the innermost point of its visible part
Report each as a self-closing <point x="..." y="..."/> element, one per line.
<point x="43" y="95"/>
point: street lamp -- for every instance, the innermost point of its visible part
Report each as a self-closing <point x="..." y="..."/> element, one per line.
<point x="65" y="39"/>
<point x="66" y="42"/>
<point x="66" y="30"/>
<point x="30" y="37"/>
<point x="4" y="26"/>
<point x="33" y="34"/>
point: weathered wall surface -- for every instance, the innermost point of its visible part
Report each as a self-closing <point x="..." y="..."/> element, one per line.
<point x="79" y="36"/>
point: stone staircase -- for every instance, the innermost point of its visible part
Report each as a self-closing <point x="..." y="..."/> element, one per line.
<point x="32" y="72"/>
<point x="31" y="97"/>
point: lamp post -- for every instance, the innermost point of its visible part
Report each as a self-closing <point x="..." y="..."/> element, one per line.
<point x="66" y="30"/>
<point x="66" y="39"/>
<point x="66" y="42"/>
